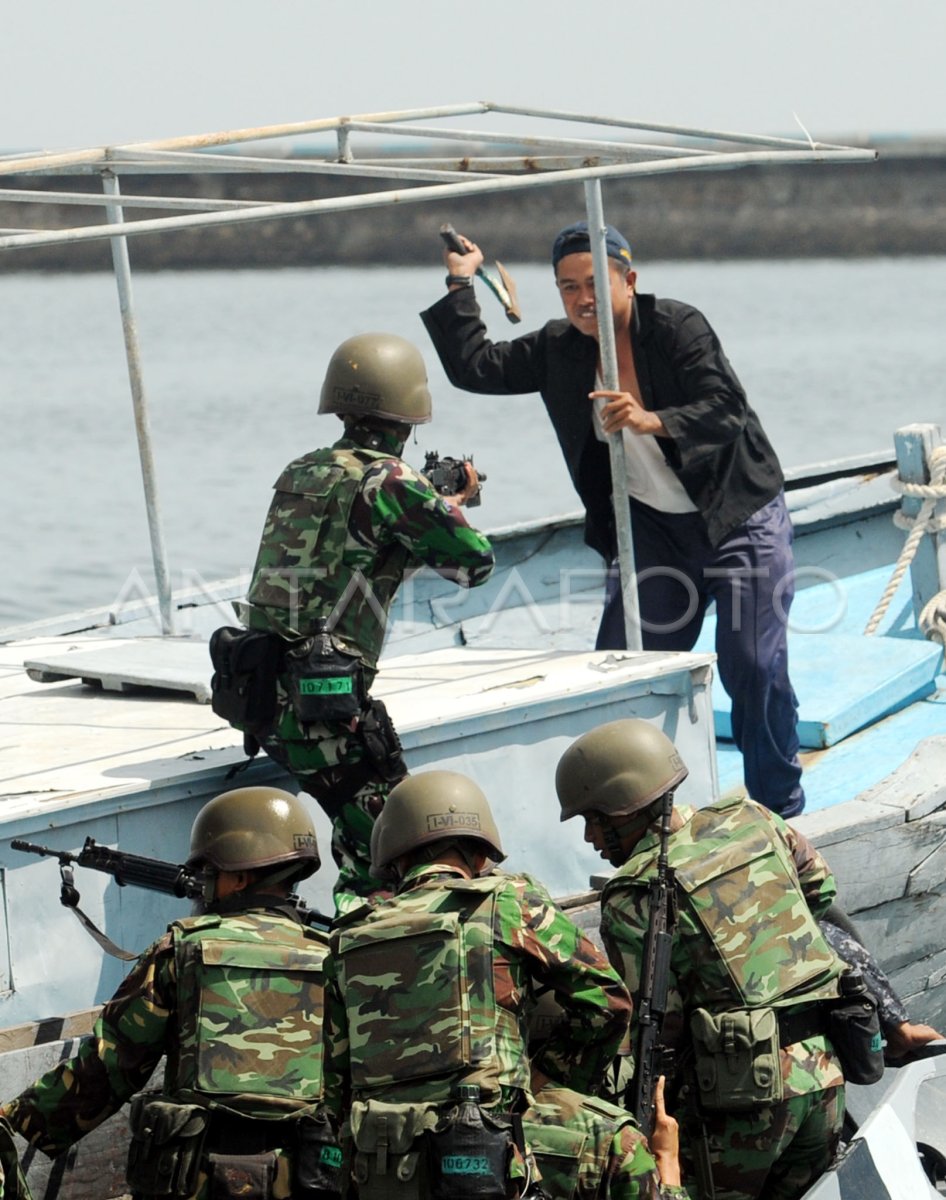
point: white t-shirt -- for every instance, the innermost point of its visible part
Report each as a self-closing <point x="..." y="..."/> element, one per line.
<point x="649" y="479"/>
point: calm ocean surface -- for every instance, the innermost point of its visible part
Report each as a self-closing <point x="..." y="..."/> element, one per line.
<point x="834" y="354"/>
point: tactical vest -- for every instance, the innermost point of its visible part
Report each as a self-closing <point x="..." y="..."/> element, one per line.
<point x="737" y="877"/>
<point x="249" y="1011"/>
<point x="302" y="570"/>
<point x="419" y="991"/>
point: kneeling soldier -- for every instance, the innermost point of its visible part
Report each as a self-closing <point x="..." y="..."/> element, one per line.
<point x="427" y="997"/>
<point x="234" y="998"/>
<point x="750" y="973"/>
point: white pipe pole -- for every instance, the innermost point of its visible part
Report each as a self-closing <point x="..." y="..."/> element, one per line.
<point x="122" y="269"/>
<point x="609" y="373"/>
<point x="420" y="195"/>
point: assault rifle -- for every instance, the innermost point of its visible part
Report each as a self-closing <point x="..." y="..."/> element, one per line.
<point x="448" y="476"/>
<point x="134" y="870"/>
<point x="654" y="1059"/>
<point x="126" y="869"/>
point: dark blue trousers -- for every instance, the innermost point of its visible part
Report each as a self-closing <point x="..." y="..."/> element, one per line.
<point x="751" y="578"/>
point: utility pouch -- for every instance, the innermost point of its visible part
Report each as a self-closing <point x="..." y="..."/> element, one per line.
<point x="325" y="683"/>
<point x="242" y="1176"/>
<point x="468" y="1155"/>
<point x="854" y="1031"/>
<point x="558" y="1151"/>
<point x="167" y="1141"/>
<point x="317" y="1161"/>
<point x="243" y="685"/>
<point x="736" y="1059"/>
<point x="388" y="1149"/>
<point x="382" y="744"/>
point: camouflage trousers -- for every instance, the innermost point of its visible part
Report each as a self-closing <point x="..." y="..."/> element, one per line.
<point x="774" y="1153"/>
<point x="588" y="1149"/>
<point x="330" y="762"/>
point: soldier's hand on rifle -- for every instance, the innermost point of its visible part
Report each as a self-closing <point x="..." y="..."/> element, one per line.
<point x="665" y="1140"/>
<point x="471" y="489"/>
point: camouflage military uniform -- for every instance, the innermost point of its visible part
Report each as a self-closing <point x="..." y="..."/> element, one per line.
<point x="13" y="1185"/>
<point x="344" y="527"/>
<point x="745" y="938"/>
<point x="589" y="1149"/>
<point x="236" y="1005"/>
<point x="429" y="989"/>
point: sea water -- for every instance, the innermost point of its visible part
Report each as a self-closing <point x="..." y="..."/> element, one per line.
<point x="834" y="354"/>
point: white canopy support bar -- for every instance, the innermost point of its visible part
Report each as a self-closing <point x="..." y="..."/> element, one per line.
<point x="421" y="195"/>
<point x="94" y="200"/>
<point x="609" y="377"/>
<point x="122" y="268"/>
<point x="716" y="135"/>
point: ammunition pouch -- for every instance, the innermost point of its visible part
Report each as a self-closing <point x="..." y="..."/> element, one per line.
<point x="467" y="1160"/>
<point x="317" y="1160"/>
<point x="167" y="1141"/>
<point x="242" y="1176"/>
<point x="736" y="1059"/>
<point x="388" y="1149"/>
<point x="243" y="685"/>
<point x="324" y="682"/>
<point x="854" y="1032"/>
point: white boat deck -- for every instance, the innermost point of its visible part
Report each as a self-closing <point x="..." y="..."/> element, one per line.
<point x="65" y="742"/>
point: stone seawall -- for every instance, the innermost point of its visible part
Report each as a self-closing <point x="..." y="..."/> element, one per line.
<point x="892" y="207"/>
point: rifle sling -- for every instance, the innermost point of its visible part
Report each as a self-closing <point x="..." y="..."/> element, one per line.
<point x="102" y="938"/>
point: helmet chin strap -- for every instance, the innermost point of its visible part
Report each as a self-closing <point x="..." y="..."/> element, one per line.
<point x="620" y="834"/>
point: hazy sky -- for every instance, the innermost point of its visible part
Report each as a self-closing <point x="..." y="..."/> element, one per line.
<point x="122" y="70"/>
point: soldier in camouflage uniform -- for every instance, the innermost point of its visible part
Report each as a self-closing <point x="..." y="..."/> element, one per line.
<point x="345" y="526"/>
<point x="13" y="1185"/>
<point x="750" y="973"/>
<point x="234" y="999"/>
<point x="429" y="990"/>
<point x="587" y="1148"/>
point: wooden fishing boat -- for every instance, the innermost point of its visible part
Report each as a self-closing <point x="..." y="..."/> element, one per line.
<point x="105" y="729"/>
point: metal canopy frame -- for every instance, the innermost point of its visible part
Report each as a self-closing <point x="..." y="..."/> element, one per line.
<point x="476" y="162"/>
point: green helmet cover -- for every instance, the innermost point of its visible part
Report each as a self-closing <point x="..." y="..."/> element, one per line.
<point x="617" y="769"/>
<point x="254" y="827"/>
<point x="432" y="806"/>
<point x="377" y="375"/>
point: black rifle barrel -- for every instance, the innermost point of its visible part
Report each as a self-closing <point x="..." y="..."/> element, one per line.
<point x="655" y="978"/>
<point x="127" y="869"/>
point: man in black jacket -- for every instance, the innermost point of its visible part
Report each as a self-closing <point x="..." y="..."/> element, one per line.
<point x="705" y="487"/>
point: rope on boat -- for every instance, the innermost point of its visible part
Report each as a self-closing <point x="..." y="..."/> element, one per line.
<point x="932" y="619"/>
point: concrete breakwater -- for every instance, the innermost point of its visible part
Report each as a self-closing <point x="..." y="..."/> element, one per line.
<point x="895" y="206"/>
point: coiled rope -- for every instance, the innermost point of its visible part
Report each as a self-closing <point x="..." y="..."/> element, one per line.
<point x="932" y="619"/>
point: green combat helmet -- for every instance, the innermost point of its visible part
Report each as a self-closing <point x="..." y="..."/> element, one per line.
<point x="431" y="807"/>
<point x="255" y="827"/>
<point x="617" y="769"/>
<point x="377" y="375"/>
